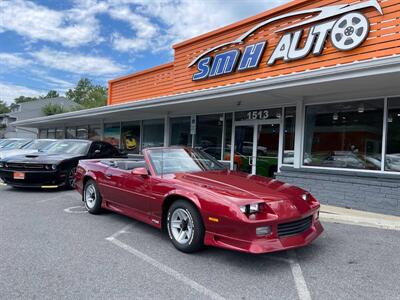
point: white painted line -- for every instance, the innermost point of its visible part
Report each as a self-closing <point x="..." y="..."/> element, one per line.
<point x="76" y="210"/>
<point x="167" y="270"/>
<point x="300" y="282"/>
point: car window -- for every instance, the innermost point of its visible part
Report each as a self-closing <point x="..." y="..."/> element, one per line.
<point x="105" y="149"/>
<point x="38" y="144"/>
<point x="16" y="144"/>
<point x="69" y="147"/>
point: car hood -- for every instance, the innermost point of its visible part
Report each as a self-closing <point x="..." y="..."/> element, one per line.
<point x="241" y="188"/>
<point x="42" y="158"/>
<point x="14" y="152"/>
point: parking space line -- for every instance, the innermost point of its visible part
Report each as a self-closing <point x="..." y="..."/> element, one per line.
<point x="300" y="282"/>
<point x="167" y="270"/>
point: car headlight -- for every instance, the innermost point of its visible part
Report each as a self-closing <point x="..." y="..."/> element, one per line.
<point x="54" y="166"/>
<point x="305" y="197"/>
<point x="251" y="208"/>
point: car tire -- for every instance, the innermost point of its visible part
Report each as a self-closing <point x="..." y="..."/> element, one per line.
<point x="185" y="226"/>
<point x="70" y="180"/>
<point x="92" y="197"/>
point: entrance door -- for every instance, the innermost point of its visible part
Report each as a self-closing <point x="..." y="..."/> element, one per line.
<point x="256" y="148"/>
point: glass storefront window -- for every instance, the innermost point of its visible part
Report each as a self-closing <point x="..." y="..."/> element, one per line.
<point x="344" y="135"/>
<point x="71" y="133"/>
<point x="94" y="132"/>
<point x="51" y="133"/>
<point x="112" y="132"/>
<point x="289" y="134"/>
<point x="60" y="133"/>
<point x="153" y="133"/>
<point x="393" y="136"/>
<point x="209" y="134"/>
<point x="42" y="133"/>
<point x="180" y="132"/>
<point x="82" y="132"/>
<point x="228" y="137"/>
<point x="130" y="137"/>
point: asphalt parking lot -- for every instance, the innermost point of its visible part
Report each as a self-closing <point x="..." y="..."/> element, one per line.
<point x="50" y="248"/>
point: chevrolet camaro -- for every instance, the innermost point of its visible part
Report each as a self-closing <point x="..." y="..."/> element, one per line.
<point x="198" y="202"/>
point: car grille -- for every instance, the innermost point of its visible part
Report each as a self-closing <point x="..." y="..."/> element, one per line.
<point x="294" y="227"/>
<point x="17" y="166"/>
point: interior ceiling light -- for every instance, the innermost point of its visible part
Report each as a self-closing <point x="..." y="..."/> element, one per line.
<point x="361" y="108"/>
<point x="335" y="117"/>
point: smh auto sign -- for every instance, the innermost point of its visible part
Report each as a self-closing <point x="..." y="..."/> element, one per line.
<point x="345" y="26"/>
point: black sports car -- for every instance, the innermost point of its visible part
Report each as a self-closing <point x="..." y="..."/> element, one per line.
<point x="55" y="166"/>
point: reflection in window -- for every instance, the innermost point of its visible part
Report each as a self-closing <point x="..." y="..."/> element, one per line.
<point x="344" y="135"/>
<point x="130" y="137"/>
<point x="94" y="132"/>
<point x="42" y="133"/>
<point x="59" y="133"/>
<point x="51" y="133"/>
<point x="209" y="134"/>
<point x="82" y="133"/>
<point x="393" y="136"/>
<point x="228" y="137"/>
<point x="71" y="133"/>
<point x="153" y="133"/>
<point x="111" y="134"/>
<point x="289" y="133"/>
<point x="180" y="132"/>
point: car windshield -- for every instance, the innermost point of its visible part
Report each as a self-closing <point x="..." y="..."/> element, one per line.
<point x="16" y="144"/>
<point x="182" y="160"/>
<point x="68" y="147"/>
<point x="38" y="144"/>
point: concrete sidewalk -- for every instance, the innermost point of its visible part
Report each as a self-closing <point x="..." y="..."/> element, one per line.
<point x="336" y="214"/>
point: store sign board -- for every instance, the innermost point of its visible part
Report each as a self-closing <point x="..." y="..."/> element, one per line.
<point x="344" y="25"/>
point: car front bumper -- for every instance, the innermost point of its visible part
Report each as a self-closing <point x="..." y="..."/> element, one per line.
<point x="265" y="244"/>
<point x="35" y="179"/>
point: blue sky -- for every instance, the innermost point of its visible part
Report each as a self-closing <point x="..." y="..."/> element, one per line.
<point x="50" y="44"/>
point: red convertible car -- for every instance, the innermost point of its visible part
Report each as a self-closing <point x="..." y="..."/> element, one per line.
<point x="192" y="196"/>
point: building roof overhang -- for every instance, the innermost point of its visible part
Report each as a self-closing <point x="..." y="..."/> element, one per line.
<point x="358" y="79"/>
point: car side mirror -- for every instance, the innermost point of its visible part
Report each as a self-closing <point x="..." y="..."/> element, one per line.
<point x="140" y="172"/>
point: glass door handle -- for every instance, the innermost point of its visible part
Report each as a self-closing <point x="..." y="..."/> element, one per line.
<point x="250" y="160"/>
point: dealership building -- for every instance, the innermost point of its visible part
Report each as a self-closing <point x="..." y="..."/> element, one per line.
<point x="308" y="93"/>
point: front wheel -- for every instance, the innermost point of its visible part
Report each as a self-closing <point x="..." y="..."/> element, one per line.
<point x="70" y="180"/>
<point x="92" y="197"/>
<point x="185" y="227"/>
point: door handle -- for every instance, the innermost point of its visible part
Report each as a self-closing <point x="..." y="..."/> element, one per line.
<point x="108" y="175"/>
<point x="250" y="160"/>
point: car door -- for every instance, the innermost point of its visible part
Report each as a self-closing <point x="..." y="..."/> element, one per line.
<point x="138" y="190"/>
<point x="111" y="185"/>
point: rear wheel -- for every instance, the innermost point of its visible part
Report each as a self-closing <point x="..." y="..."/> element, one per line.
<point x="92" y="197"/>
<point x="185" y="226"/>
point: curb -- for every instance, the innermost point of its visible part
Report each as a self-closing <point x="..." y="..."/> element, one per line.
<point x="366" y="219"/>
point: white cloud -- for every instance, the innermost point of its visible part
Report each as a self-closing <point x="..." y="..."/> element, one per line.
<point x="8" y="92"/>
<point x="77" y="63"/>
<point x="12" y="61"/>
<point x="173" y="21"/>
<point x="69" y="27"/>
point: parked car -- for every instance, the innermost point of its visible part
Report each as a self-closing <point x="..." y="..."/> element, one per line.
<point x="14" y="144"/>
<point x="54" y="167"/>
<point x="32" y="147"/>
<point x="189" y="194"/>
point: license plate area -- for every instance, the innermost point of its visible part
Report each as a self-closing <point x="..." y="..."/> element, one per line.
<point x="19" y="175"/>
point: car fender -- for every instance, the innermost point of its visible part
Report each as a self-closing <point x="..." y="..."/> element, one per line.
<point x="184" y="194"/>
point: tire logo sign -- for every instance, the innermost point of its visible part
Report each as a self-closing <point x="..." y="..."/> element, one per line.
<point x="346" y="28"/>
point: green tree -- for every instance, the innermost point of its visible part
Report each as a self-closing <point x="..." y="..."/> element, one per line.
<point x="4" y="107"/>
<point x="22" y="99"/>
<point x="51" y="94"/>
<point x="53" y="109"/>
<point x="87" y="94"/>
